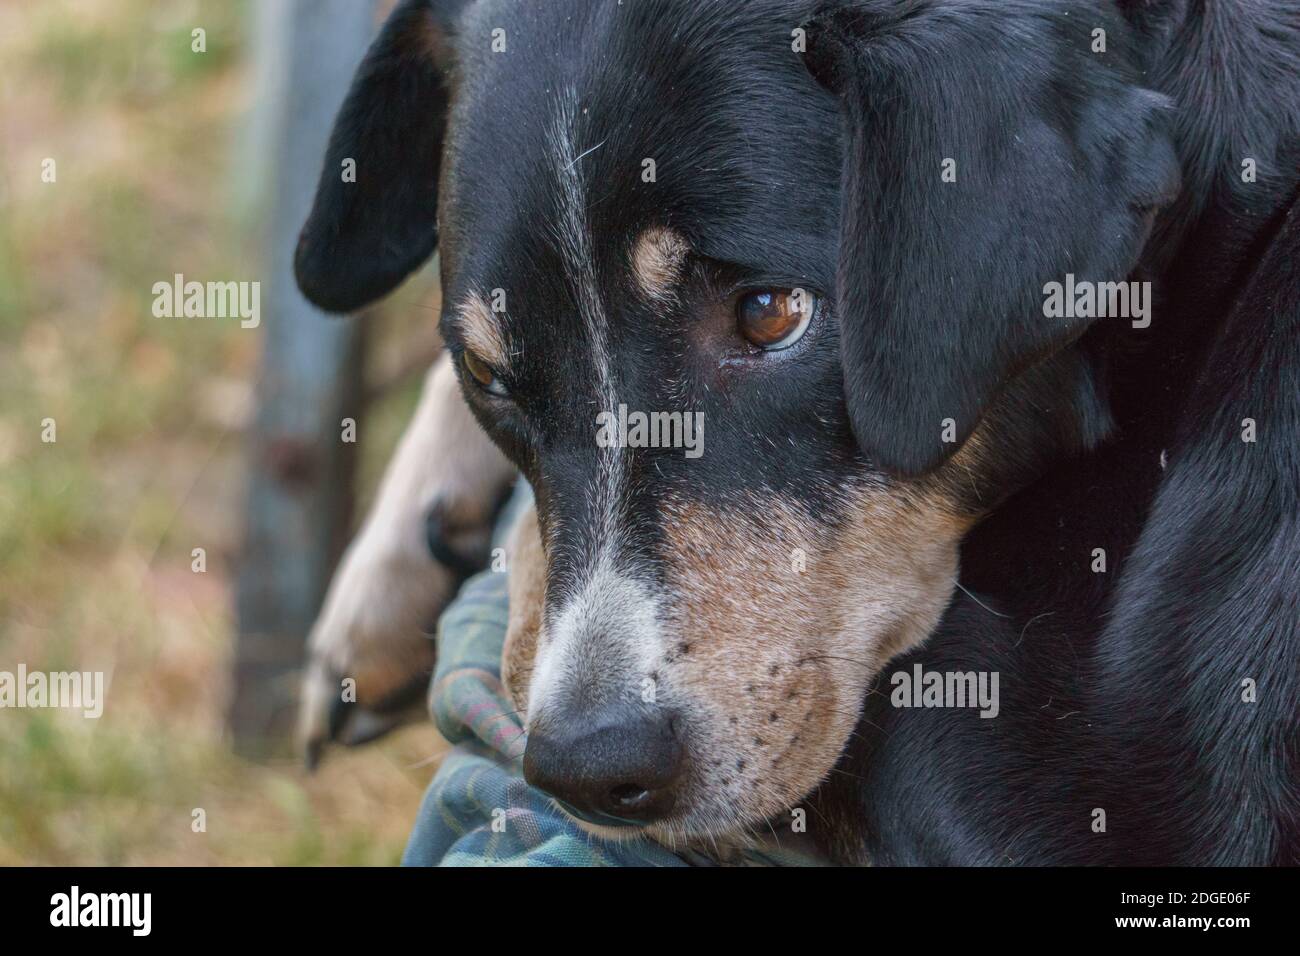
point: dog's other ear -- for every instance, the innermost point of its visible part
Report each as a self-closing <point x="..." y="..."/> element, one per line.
<point x="375" y="221"/>
<point x="988" y="152"/>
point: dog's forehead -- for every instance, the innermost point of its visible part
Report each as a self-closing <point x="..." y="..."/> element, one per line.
<point x="644" y="114"/>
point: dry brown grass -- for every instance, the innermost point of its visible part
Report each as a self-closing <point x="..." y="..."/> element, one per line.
<point x="96" y="529"/>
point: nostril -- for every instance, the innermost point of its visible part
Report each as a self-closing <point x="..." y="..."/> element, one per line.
<point x="628" y="796"/>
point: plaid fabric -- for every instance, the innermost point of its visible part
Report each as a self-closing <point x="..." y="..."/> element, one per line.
<point x="478" y="810"/>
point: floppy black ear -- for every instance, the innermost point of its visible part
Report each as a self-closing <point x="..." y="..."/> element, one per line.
<point x="988" y="152"/>
<point x="375" y="222"/>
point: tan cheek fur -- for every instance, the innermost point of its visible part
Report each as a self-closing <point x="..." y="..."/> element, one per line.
<point x="527" y="588"/>
<point x="777" y="660"/>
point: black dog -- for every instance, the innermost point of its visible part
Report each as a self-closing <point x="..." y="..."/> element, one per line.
<point x="830" y="230"/>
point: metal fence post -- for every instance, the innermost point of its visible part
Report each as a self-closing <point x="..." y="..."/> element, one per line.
<point x="299" y="487"/>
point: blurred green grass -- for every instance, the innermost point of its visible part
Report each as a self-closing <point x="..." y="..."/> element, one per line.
<point x="96" y="529"/>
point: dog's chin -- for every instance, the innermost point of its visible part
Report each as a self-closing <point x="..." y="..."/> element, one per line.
<point x="611" y="834"/>
<point x="674" y="833"/>
<point x="668" y="832"/>
<point x="687" y="833"/>
<point x="721" y="835"/>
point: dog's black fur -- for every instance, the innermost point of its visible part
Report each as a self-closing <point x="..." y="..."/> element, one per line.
<point x="1126" y="698"/>
<point x="1121" y="691"/>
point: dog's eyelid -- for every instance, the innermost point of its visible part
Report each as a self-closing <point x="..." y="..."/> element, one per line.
<point x="760" y="282"/>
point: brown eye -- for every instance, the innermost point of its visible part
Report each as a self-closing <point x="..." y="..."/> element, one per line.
<point x="775" y="319"/>
<point x="482" y="373"/>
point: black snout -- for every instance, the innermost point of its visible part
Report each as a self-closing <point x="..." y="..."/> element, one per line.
<point x="618" y="767"/>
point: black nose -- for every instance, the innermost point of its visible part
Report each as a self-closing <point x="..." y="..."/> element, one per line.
<point x="618" y="767"/>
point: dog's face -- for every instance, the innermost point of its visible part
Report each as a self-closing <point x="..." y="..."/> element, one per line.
<point x="734" y="591"/>
<point x="655" y="314"/>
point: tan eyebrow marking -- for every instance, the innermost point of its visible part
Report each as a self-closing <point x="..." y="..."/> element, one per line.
<point x="657" y="259"/>
<point x="482" y="332"/>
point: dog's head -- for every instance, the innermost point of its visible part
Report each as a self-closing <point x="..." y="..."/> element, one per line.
<point x="752" y="294"/>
